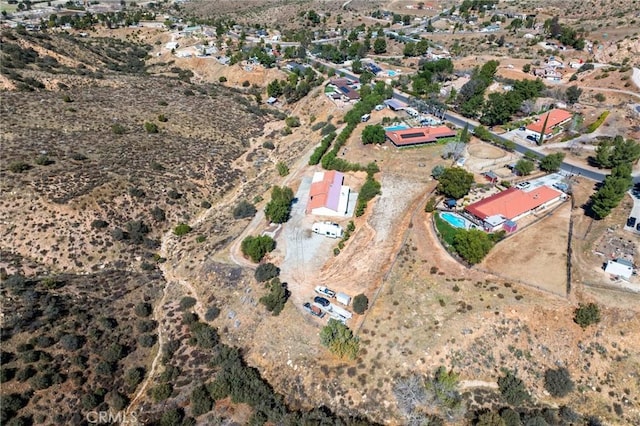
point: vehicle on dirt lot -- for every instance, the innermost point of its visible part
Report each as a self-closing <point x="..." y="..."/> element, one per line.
<point x="327" y="229"/>
<point x="313" y="310"/>
<point x="324" y="291"/>
<point x="321" y="301"/>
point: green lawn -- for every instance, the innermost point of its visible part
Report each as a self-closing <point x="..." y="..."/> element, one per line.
<point x="447" y="231"/>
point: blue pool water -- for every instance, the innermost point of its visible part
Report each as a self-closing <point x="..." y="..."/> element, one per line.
<point x="391" y="73"/>
<point x="398" y="127"/>
<point x="454" y="220"/>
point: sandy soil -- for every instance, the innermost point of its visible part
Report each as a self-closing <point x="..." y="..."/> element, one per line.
<point x="546" y="264"/>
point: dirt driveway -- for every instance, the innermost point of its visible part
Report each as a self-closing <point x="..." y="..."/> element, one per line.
<point x="303" y="252"/>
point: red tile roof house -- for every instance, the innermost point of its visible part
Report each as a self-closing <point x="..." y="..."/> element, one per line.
<point x="328" y="196"/>
<point x="418" y="135"/>
<point x="557" y="117"/>
<point x="512" y="204"/>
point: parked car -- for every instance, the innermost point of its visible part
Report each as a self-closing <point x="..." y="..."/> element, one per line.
<point x="324" y="291"/>
<point x="321" y="301"/>
<point x="523" y="185"/>
<point x="638" y="227"/>
<point x="631" y="222"/>
<point x="532" y="138"/>
<point x="522" y="129"/>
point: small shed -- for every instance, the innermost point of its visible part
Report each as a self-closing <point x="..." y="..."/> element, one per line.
<point x="619" y="267"/>
<point x="450" y="203"/>
<point x="510" y="226"/>
<point x="491" y="176"/>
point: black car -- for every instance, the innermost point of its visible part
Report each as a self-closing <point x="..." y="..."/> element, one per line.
<point x="321" y="301"/>
<point x="638" y="227"/>
<point x="631" y="222"/>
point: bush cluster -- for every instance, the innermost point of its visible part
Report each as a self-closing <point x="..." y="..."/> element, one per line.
<point x="257" y="247"/>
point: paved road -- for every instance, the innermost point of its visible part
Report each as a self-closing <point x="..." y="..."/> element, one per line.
<point x="568" y="165"/>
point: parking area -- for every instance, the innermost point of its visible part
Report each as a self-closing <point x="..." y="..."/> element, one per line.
<point x="558" y="181"/>
<point x="634" y="225"/>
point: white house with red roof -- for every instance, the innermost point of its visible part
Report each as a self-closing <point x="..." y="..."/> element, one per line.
<point x="557" y="117"/>
<point x="328" y="195"/>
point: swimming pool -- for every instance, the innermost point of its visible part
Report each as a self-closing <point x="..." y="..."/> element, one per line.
<point x="391" y="73"/>
<point x="396" y="127"/>
<point x="455" y="220"/>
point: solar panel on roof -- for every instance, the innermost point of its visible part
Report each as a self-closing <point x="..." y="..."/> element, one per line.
<point x="344" y="89"/>
<point x="412" y="135"/>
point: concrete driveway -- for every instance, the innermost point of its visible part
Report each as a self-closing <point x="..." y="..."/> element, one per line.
<point x="635" y="211"/>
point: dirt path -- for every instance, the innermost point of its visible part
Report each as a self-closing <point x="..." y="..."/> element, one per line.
<point x="467" y="384"/>
<point x="170" y="278"/>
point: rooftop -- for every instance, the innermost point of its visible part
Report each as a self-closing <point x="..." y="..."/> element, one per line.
<point x="556" y="117"/>
<point x="512" y="203"/>
<point x="325" y="190"/>
<point x="418" y="135"/>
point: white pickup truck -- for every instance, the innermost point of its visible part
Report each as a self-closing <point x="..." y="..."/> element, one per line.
<point x="324" y="291"/>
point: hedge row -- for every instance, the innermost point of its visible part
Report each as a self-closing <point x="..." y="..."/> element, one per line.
<point x="593" y="126"/>
<point x="319" y="151"/>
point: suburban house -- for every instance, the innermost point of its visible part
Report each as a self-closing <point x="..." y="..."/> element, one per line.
<point x="512" y="205"/>
<point x="619" y="268"/>
<point x="418" y="135"/>
<point x="343" y="87"/>
<point x="328" y="196"/>
<point x="556" y="118"/>
<point x="553" y="62"/>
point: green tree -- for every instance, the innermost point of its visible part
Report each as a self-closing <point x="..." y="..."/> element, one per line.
<point x="279" y="208"/>
<point x="552" y="162"/>
<point x="558" y="382"/>
<point x="181" y="229"/>
<point x="380" y="45"/>
<point x="573" y="94"/>
<point x="356" y="66"/>
<point x="275" y="300"/>
<point x="243" y="210"/>
<point x="360" y="304"/>
<point x="444" y="387"/>
<point x="472" y="245"/>
<point x="161" y="392"/>
<point x="201" y="401"/>
<point x="455" y="182"/>
<point x="524" y="167"/>
<point x="282" y="168"/>
<point x="373" y="134"/>
<point x="513" y="389"/>
<point x="612" y="191"/>
<point x="292" y="121"/>
<point x="274" y="89"/>
<point x="585" y="315"/>
<point x="490" y="418"/>
<point x="266" y="271"/>
<point x="340" y="339"/>
<point x="257" y="247"/>
<point x="464" y="135"/>
<point x="437" y="171"/>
